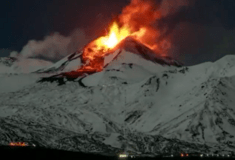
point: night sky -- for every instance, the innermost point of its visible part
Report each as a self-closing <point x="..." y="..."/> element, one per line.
<point x="203" y="30"/>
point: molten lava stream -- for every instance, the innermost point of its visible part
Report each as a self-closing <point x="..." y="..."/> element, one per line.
<point x="95" y="51"/>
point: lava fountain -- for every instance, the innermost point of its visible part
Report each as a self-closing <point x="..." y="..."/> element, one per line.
<point x="135" y="21"/>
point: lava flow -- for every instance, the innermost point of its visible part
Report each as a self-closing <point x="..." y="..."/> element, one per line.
<point x="98" y="47"/>
<point x="135" y="21"/>
<point x="95" y="51"/>
<point x="22" y="144"/>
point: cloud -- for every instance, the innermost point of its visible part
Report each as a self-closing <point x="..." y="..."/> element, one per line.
<point x="216" y="13"/>
<point x="4" y="52"/>
<point x="159" y="17"/>
<point x="171" y="6"/>
<point x="53" y="47"/>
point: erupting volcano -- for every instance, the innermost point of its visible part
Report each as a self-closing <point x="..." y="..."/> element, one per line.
<point x="102" y="46"/>
<point x="132" y="30"/>
<point x="136" y="22"/>
<point x="121" y="92"/>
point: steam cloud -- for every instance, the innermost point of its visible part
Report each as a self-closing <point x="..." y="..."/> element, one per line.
<point x="53" y="47"/>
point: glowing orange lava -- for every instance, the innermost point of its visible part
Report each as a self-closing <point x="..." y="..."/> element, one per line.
<point x="95" y="51"/>
<point x="136" y="21"/>
<point x="116" y="34"/>
<point x="22" y="144"/>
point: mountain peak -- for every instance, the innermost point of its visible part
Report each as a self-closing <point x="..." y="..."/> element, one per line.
<point x="131" y="45"/>
<point x="127" y="51"/>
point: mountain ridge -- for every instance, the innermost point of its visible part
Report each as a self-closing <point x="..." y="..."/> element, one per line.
<point x="139" y="51"/>
<point x="166" y="109"/>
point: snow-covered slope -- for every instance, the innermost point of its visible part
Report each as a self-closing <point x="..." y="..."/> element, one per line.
<point x="69" y="63"/>
<point x="147" y="104"/>
<point x="129" y="51"/>
<point x="6" y="63"/>
<point x="14" y="73"/>
<point x="23" y="65"/>
<point x="14" y="82"/>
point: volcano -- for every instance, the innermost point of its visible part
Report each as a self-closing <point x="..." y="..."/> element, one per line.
<point x="128" y="51"/>
<point x="120" y="93"/>
<point x="140" y="101"/>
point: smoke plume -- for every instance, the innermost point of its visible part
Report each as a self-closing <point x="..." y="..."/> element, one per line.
<point x="53" y="47"/>
<point x="151" y="15"/>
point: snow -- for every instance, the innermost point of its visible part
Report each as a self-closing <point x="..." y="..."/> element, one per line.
<point x="4" y="111"/>
<point x="128" y="57"/>
<point x="30" y="65"/>
<point x="110" y="57"/>
<point x="12" y="83"/>
<point x="16" y="76"/>
<point x="73" y="65"/>
<point x="69" y="63"/>
<point x="130" y="73"/>
<point x="24" y="65"/>
<point x="94" y="79"/>
<point x="192" y="104"/>
<point x="113" y="140"/>
<point x="5" y="69"/>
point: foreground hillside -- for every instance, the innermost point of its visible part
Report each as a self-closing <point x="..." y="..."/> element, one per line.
<point x="135" y="103"/>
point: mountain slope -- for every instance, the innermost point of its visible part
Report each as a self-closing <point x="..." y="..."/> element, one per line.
<point x="136" y="102"/>
<point x="69" y="63"/>
<point x="22" y="65"/>
<point x="7" y="61"/>
<point x="128" y="51"/>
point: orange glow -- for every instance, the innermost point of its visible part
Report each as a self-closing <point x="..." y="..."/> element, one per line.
<point x="116" y="34"/>
<point x="12" y="144"/>
<point x="97" y="49"/>
<point x="18" y="144"/>
<point x="136" y="20"/>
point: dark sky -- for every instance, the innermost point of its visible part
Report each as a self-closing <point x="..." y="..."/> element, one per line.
<point x="26" y="19"/>
<point x="202" y="31"/>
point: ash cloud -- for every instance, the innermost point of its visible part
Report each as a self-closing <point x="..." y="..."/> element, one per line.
<point x="192" y="27"/>
<point x="53" y="47"/>
<point x="209" y="12"/>
<point x="216" y="13"/>
<point x="154" y="16"/>
<point x="196" y="27"/>
<point x="168" y="7"/>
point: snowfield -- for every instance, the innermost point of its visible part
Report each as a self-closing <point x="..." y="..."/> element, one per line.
<point x="150" y="105"/>
<point x="11" y="65"/>
<point x="17" y="73"/>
